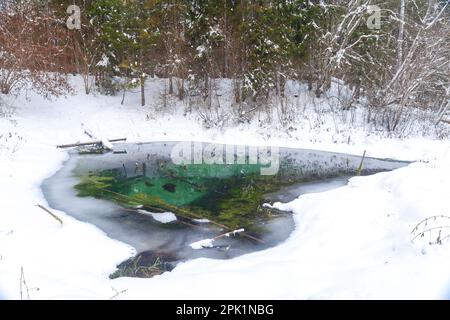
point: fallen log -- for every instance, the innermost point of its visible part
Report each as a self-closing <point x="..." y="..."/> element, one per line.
<point x="80" y="144"/>
<point x="105" y="142"/>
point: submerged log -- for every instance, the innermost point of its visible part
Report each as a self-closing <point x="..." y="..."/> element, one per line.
<point x="80" y="144"/>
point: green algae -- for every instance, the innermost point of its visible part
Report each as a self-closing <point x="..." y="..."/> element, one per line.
<point x="231" y="195"/>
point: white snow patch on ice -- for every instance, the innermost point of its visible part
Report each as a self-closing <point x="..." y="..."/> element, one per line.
<point x="234" y="232"/>
<point x="163" y="217"/>
<point x="205" y="243"/>
<point x="202" y="220"/>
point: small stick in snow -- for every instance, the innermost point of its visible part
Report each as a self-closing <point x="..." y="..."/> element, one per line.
<point x="89" y="133"/>
<point x="50" y="213"/>
<point x="117" y="293"/>
<point x="358" y="171"/>
<point x="23" y="284"/>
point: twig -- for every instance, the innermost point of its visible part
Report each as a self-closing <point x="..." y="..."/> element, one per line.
<point x="416" y="228"/>
<point x="50" y="213"/>
<point x="421" y="234"/>
<point x="79" y="144"/>
<point x="358" y="171"/>
<point x="227" y="234"/>
<point x="117" y="293"/>
<point x="209" y="241"/>
<point x="23" y="283"/>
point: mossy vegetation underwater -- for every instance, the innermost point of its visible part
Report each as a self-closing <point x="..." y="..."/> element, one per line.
<point x="231" y="195"/>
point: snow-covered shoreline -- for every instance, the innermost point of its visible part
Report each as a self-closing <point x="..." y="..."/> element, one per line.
<point x="351" y="242"/>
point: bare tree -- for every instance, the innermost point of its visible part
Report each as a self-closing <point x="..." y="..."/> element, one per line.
<point x="421" y="77"/>
<point x="87" y="54"/>
<point x="337" y="46"/>
<point x="32" y="46"/>
<point x="401" y="68"/>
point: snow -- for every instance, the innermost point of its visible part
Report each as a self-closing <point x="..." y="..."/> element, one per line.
<point x="208" y="243"/>
<point x="205" y="243"/>
<point x="163" y="217"/>
<point x="354" y="241"/>
<point x="201" y="220"/>
<point x="201" y="51"/>
<point x="104" y="61"/>
<point x="234" y="232"/>
<point x="105" y="142"/>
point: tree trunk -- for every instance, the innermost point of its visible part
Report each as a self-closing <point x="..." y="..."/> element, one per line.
<point x="401" y="34"/>
<point x="225" y="44"/>
<point x="170" y="85"/>
<point x="277" y="83"/>
<point x="142" y="91"/>
<point x="123" y="96"/>
<point x="181" y="89"/>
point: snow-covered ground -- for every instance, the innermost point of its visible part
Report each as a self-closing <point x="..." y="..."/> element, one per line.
<point x="350" y="242"/>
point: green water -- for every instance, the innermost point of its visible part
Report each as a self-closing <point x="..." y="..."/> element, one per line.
<point x="231" y="195"/>
<point x="189" y="184"/>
